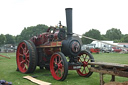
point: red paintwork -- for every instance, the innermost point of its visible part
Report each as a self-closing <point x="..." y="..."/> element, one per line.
<point x="115" y="49"/>
<point x="56" y="60"/>
<point x="47" y="41"/>
<point x="56" y="34"/>
<point x="23" y="64"/>
<point x="50" y="51"/>
<point x="40" y="39"/>
<point x="46" y="38"/>
<point x="94" y="50"/>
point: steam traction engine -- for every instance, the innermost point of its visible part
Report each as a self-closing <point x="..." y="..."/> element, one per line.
<point x="51" y="50"/>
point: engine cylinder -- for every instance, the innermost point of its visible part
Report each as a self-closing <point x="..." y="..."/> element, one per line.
<point x="71" y="47"/>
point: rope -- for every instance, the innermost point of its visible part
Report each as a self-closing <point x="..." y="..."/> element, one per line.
<point x="101" y="41"/>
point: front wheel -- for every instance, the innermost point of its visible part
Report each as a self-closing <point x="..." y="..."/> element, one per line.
<point x="85" y="57"/>
<point x="59" y="66"/>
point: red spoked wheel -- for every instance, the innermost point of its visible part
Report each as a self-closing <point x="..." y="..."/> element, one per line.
<point x="85" y="57"/>
<point x="26" y="57"/>
<point x="59" y="66"/>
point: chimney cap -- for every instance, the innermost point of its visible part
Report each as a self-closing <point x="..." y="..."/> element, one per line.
<point x="68" y="8"/>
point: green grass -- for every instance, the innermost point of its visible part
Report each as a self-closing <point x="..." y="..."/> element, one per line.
<point x="8" y="71"/>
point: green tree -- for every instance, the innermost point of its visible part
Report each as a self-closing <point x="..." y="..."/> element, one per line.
<point x="113" y="34"/>
<point x="10" y="39"/>
<point x="103" y="37"/>
<point x="31" y="31"/>
<point x="125" y="38"/>
<point x="93" y="33"/>
<point x="2" y="39"/>
<point x="18" y="39"/>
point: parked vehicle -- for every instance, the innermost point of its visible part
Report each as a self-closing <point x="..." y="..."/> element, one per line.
<point x="116" y="49"/>
<point x="91" y="48"/>
<point x="95" y="50"/>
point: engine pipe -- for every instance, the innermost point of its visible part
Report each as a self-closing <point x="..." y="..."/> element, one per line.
<point x="69" y="21"/>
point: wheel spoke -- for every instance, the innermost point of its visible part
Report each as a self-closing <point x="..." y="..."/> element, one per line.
<point x="87" y="67"/>
<point x="22" y="48"/>
<point x="82" y="56"/>
<point x="85" y="57"/>
<point x="27" y="52"/>
<point x="62" y="70"/>
<point x="21" y="54"/>
<point x="83" y="69"/>
<point x="55" y="61"/>
<point x="80" y="60"/>
<point x="27" y="57"/>
<point x="25" y="49"/>
<point x="22" y="62"/>
<point x="27" y="61"/>
<point x="56" y="71"/>
<point x="60" y="62"/>
<point x="88" y="60"/>
<point x="26" y="66"/>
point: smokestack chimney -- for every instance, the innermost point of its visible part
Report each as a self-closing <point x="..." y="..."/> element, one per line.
<point x="69" y="21"/>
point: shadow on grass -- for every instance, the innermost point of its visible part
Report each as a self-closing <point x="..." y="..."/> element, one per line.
<point x="41" y="72"/>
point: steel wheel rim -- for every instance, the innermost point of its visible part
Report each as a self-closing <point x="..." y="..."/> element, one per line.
<point x="83" y="58"/>
<point x="57" y="66"/>
<point x="23" y="57"/>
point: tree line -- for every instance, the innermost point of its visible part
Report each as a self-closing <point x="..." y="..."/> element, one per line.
<point x="25" y="34"/>
<point x="113" y="34"/>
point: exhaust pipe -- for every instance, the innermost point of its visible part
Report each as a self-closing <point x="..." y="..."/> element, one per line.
<point x="69" y="21"/>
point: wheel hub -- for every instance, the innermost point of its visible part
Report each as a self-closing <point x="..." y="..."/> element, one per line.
<point x="85" y="63"/>
<point x="59" y="66"/>
<point x="24" y="57"/>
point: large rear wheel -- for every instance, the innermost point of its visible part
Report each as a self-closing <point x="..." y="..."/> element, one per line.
<point x="85" y="57"/>
<point x="59" y="66"/>
<point x="26" y="57"/>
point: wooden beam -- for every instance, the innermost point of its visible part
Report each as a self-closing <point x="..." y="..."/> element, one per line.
<point x="109" y="71"/>
<point x="113" y="78"/>
<point x="101" y="79"/>
<point x="48" y="46"/>
<point x="39" y="82"/>
<point x="109" y="64"/>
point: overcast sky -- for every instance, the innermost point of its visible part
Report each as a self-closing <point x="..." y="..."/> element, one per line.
<point x="87" y="14"/>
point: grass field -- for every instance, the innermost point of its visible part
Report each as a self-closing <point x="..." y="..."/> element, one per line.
<point x="8" y="71"/>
